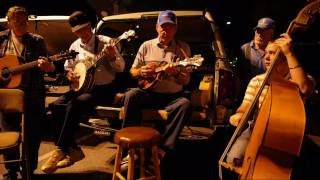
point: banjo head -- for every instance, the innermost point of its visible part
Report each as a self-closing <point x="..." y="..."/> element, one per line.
<point x="80" y="70"/>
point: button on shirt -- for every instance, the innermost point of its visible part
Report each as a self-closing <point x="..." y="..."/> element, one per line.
<point x="105" y="70"/>
<point x="153" y="51"/>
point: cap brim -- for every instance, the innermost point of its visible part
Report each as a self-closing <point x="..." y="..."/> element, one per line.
<point x="260" y="27"/>
<point x="167" y="21"/>
<point x="80" y="26"/>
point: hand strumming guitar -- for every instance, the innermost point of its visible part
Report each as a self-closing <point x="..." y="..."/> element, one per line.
<point x="73" y="76"/>
<point x="109" y="50"/>
<point x="148" y="71"/>
<point x="45" y="65"/>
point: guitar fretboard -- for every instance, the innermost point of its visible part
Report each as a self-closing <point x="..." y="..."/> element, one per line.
<point x="23" y="67"/>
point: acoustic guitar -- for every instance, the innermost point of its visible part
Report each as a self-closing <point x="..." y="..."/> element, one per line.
<point x="84" y="69"/>
<point x="147" y="83"/>
<point x="10" y="67"/>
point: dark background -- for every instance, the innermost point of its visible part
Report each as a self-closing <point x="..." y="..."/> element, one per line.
<point x="243" y="15"/>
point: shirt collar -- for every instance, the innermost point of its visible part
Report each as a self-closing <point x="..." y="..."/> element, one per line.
<point x="89" y="44"/>
<point x="18" y="39"/>
<point x="171" y="46"/>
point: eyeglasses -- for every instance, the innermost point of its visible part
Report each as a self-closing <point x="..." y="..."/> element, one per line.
<point x="18" y="19"/>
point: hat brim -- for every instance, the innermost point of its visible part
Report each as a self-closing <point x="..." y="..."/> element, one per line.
<point x="263" y="28"/>
<point x="80" y="26"/>
<point x="167" y="21"/>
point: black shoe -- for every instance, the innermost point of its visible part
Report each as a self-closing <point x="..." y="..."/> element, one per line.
<point x="10" y="175"/>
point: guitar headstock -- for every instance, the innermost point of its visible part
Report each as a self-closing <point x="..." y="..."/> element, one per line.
<point x="196" y="61"/>
<point x="127" y="34"/>
<point x="64" y="55"/>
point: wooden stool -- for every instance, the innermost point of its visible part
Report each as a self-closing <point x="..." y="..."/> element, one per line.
<point x="139" y="138"/>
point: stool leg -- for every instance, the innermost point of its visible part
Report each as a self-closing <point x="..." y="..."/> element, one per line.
<point x="117" y="163"/>
<point x="142" y="174"/>
<point x="156" y="162"/>
<point x="131" y="164"/>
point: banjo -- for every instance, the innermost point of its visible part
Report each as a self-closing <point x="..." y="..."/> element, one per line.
<point x="84" y="69"/>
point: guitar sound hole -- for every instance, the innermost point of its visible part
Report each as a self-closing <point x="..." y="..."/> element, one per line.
<point x="5" y="73"/>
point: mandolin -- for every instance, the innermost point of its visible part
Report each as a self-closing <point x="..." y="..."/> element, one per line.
<point x="147" y="83"/>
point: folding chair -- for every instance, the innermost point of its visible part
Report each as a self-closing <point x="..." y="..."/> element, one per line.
<point x="12" y="101"/>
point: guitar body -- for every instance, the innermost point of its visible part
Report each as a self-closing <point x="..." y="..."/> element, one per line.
<point x="159" y="69"/>
<point x="277" y="135"/>
<point x="9" y="80"/>
<point x="86" y="77"/>
<point x="85" y="68"/>
<point x="148" y="83"/>
<point x="10" y="68"/>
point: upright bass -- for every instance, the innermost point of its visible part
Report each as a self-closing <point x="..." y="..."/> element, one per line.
<point x="277" y="136"/>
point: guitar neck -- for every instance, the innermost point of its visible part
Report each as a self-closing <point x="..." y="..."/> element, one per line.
<point x="32" y="64"/>
<point x="163" y="68"/>
<point x="102" y="53"/>
<point x="23" y="67"/>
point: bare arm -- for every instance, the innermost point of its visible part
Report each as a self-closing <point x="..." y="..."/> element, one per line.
<point x="296" y="71"/>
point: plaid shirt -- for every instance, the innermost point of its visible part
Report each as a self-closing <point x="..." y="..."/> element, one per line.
<point x="34" y="46"/>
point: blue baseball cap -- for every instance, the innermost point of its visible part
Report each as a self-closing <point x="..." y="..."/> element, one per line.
<point x="265" y="23"/>
<point x="167" y="16"/>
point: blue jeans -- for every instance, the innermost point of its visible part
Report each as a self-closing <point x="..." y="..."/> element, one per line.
<point x="177" y="106"/>
<point x="236" y="154"/>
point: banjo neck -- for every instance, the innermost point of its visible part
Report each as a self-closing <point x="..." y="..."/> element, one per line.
<point x="115" y="41"/>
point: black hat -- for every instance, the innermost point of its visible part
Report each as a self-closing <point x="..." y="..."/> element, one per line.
<point x="78" y="20"/>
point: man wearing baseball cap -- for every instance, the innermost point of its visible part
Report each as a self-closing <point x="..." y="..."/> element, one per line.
<point x="251" y="62"/>
<point x="166" y="93"/>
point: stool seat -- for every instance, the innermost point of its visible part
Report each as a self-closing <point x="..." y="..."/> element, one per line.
<point x="135" y="137"/>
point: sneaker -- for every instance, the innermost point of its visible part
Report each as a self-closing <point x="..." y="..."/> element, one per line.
<point x="65" y="162"/>
<point x="75" y="154"/>
<point x="50" y="165"/>
<point x="125" y="162"/>
<point x="126" y="159"/>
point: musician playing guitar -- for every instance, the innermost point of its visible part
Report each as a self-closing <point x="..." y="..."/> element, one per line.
<point x="289" y="69"/>
<point x="167" y="91"/>
<point x="16" y="43"/>
<point x="74" y="103"/>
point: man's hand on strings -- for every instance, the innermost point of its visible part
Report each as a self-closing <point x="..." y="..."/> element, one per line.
<point x="45" y="65"/>
<point x="73" y="76"/>
<point x="148" y="70"/>
<point x="109" y="51"/>
<point x="235" y="119"/>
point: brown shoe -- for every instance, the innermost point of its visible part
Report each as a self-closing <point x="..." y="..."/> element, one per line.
<point x="50" y="165"/>
<point x="74" y="155"/>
